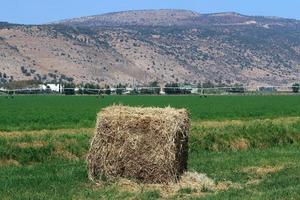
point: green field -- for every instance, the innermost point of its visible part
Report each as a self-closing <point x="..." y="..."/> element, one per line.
<point x="55" y="112"/>
<point x="249" y="142"/>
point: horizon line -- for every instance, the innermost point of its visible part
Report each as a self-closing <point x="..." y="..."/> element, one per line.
<point x="137" y="10"/>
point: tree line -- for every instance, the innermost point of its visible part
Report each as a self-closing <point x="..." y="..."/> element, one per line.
<point x="153" y="88"/>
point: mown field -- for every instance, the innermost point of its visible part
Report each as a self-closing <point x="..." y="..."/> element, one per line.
<point x="251" y="143"/>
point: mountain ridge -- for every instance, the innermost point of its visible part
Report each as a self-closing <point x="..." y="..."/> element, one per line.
<point x="137" y="17"/>
<point x="187" y="47"/>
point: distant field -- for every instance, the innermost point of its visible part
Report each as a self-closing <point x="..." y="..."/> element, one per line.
<point x="250" y="143"/>
<point x="55" y="112"/>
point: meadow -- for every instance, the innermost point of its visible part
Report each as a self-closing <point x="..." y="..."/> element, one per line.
<point x="56" y="112"/>
<point x="251" y="143"/>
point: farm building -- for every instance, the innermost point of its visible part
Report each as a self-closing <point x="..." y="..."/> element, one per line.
<point x="51" y="87"/>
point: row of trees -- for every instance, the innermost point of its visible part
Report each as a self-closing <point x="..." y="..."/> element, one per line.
<point x="87" y="89"/>
<point x="174" y="88"/>
<point x="151" y="89"/>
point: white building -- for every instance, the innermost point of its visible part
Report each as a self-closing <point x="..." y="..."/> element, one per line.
<point x="51" y="87"/>
<point x="195" y="91"/>
<point x="128" y="90"/>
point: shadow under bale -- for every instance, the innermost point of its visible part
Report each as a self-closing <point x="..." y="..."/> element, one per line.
<point x="145" y="144"/>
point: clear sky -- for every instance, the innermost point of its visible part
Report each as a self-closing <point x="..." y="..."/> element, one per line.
<point x="44" y="11"/>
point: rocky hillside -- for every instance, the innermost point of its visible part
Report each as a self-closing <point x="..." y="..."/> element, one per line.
<point x="174" y="18"/>
<point x="162" y="45"/>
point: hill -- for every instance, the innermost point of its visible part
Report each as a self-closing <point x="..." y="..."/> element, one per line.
<point x="163" y="45"/>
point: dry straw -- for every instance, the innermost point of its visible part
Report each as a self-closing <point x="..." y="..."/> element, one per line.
<point x="145" y="144"/>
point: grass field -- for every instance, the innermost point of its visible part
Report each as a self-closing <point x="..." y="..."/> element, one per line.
<point x="249" y="142"/>
<point x="54" y="112"/>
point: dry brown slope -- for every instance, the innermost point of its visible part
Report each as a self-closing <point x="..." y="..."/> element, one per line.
<point x="218" y="47"/>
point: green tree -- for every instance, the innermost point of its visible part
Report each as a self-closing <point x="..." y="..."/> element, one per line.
<point x="154" y="88"/>
<point x="296" y="87"/>
<point x="90" y="88"/>
<point x="120" y="89"/>
<point x="69" y="89"/>
<point x="107" y="90"/>
<point x="172" y="88"/>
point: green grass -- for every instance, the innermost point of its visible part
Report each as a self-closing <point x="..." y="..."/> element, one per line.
<point x="250" y="134"/>
<point x="56" y="171"/>
<point x="51" y="164"/>
<point x="54" y="112"/>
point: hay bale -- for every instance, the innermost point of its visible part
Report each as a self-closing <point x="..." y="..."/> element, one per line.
<point x="146" y="144"/>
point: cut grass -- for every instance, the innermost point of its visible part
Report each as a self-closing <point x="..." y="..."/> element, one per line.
<point x="65" y="179"/>
<point x="268" y="171"/>
<point x="251" y="143"/>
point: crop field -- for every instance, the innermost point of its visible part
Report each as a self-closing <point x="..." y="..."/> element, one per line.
<point x="250" y="145"/>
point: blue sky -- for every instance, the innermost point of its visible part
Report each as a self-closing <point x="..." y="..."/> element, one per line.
<point x="43" y="11"/>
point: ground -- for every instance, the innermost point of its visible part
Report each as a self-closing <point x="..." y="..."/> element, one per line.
<point x="249" y="145"/>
